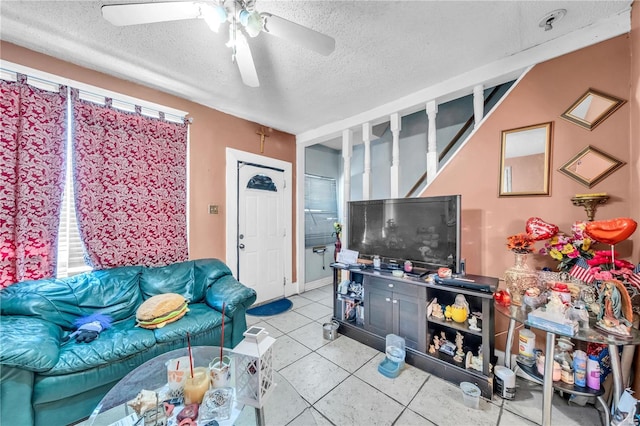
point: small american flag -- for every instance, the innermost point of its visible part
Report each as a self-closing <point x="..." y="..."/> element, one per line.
<point x="582" y="271"/>
<point x="635" y="276"/>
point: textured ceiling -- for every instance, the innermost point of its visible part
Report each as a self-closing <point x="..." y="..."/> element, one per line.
<point x="384" y="50"/>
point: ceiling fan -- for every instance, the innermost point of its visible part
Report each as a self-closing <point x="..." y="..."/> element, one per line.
<point x="242" y="17"/>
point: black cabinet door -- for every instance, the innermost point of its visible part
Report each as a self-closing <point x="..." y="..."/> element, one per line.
<point x="409" y="314"/>
<point x="378" y="312"/>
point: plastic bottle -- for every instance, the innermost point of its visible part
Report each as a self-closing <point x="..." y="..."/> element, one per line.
<point x="376" y="262"/>
<point x="593" y="372"/>
<point x="580" y="368"/>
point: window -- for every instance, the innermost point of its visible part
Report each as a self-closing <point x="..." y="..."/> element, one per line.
<point x="320" y="210"/>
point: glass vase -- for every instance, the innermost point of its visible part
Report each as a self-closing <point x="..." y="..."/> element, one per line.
<point x="519" y="278"/>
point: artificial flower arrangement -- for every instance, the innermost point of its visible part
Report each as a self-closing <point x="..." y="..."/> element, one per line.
<point x="520" y="243"/>
<point x="567" y="249"/>
<point x="605" y="266"/>
<point x="337" y="228"/>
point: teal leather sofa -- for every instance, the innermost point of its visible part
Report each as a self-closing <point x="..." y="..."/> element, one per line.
<point x="44" y="381"/>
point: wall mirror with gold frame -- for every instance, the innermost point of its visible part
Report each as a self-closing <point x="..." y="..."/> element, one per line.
<point x="590" y="166"/>
<point x="592" y="108"/>
<point x="524" y="163"/>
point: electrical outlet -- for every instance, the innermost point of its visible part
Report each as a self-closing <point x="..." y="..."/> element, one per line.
<point x="213" y="209"/>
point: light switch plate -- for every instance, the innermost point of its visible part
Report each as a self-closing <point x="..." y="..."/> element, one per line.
<point x="213" y="209"/>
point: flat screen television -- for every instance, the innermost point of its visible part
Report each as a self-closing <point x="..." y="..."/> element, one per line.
<point x="425" y="231"/>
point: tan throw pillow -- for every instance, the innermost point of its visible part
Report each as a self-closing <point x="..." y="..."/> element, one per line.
<point x="160" y="310"/>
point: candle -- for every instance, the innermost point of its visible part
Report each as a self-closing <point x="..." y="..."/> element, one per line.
<point x="195" y="387"/>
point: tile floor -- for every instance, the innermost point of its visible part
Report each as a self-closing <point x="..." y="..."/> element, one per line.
<point x="340" y="384"/>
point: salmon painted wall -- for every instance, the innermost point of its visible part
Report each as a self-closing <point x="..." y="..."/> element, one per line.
<point x="634" y="106"/>
<point x="211" y="132"/>
<point x="542" y="96"/>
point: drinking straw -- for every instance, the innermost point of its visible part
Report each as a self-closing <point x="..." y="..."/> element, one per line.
<point x="222" y="338"/>
<point x="190" y="355"/>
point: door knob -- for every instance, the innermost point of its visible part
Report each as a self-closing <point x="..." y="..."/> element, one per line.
<point x="240" y="246"/>
<point x="395" y="301"/>
<point x="387" y="299"/>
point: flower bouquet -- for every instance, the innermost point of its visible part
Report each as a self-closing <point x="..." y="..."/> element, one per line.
<point x="568" y="249"/>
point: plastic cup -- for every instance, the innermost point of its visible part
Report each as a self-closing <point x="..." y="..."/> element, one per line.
<point x="177" y="372"/>
<point x="220" y="373"/>
<point x="195" y="387"/>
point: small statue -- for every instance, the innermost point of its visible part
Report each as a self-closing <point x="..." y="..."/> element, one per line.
<point x="432" y="349"/>
<point x="436" y="310"/>
<point x="443" y="337"/>
<point x="473" y="323"/>
<point x="615" y="308"/>
<point x="460" y="351"/>
<point x="436" y="342"/>
<point x="555" y="305"/>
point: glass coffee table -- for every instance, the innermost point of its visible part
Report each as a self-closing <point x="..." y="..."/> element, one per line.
<point x="282" y="406"/>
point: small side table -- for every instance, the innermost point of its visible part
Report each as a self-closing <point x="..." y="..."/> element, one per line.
<point x="520" y="314"/>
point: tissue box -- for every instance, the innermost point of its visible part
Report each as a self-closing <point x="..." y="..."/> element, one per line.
<point x="543" y="320"/>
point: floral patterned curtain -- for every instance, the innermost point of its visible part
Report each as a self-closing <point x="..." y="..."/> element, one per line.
<point x="130" y="184"/>
<point x="32" y="169"/>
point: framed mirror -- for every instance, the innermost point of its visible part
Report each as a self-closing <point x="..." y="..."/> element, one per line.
<point x="590" y="166"/>
<point x="524" y="163"/>
<point x="592" y="108"/>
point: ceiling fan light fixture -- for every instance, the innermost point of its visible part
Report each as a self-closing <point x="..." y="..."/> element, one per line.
<point x="253" y="24"/>
<point x="214" y="16"/>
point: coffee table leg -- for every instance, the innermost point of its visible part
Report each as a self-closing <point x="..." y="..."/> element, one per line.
<point x="509" y="343"/>
<point x="547" y="385"/>
<point x="260" y="417"/>
<point x="616" y="369"/>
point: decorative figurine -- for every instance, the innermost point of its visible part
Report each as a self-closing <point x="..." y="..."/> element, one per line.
<point x="432" y="349"/>
<point x="436" y="309"/>
<point x="443" y="336"/>
<point x="615" y="309"/>
<point x="436" y="342"/>
<point x="447" y="313"/>
<point x="473" y="323"/>
<point x="460" y="351"/>
<point x="460" y="309"/>
<point x="474" y="362"/>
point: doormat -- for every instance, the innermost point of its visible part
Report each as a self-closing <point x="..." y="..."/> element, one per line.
<point x="272" y="308"/>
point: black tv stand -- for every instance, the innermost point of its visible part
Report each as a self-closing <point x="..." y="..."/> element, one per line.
<point x="398" y="305"/>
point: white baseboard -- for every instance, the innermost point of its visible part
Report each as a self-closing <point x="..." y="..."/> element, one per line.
<point x="317" y="283"/>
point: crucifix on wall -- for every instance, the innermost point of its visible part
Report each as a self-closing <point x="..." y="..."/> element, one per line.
<point x="262" y="136"/>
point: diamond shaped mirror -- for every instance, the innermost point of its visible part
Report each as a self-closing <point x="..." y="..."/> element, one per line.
<point x="592" y="108"/>
<point x="590" y="166"/>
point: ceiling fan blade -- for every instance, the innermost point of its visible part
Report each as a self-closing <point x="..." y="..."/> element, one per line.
<point x="147" y="13"/>
<point x="297" y="33"/>
<point x="245" y="61"/>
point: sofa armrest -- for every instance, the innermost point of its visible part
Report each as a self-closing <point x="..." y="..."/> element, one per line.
<point x="29" y="343"/>
<point x="228" y="290"/>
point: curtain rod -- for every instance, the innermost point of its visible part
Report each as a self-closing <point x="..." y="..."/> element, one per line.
<point x="94" y="90"/>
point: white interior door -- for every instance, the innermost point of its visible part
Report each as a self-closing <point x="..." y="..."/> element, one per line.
<point x="261" y="230"/>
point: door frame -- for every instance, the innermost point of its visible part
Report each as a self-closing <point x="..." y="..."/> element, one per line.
<point x="233" y="157"/>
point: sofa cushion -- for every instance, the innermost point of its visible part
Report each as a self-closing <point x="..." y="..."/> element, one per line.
<point x="114" y="292"/>
<point x="199" y="319"/>
<point x="29" y="343"/>
<point x="120" y="341"/>
<point x="175" y="278"/>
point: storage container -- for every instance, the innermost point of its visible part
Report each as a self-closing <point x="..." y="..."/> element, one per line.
<point x="505" y="382"/>
<point x="470" y="395"/>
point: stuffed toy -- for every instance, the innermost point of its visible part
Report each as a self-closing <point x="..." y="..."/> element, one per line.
<point x="89" y="328"/>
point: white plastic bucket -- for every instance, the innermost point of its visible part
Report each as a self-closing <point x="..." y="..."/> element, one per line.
<point x="505" y="382"/>
<point x="470" y="395"/>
